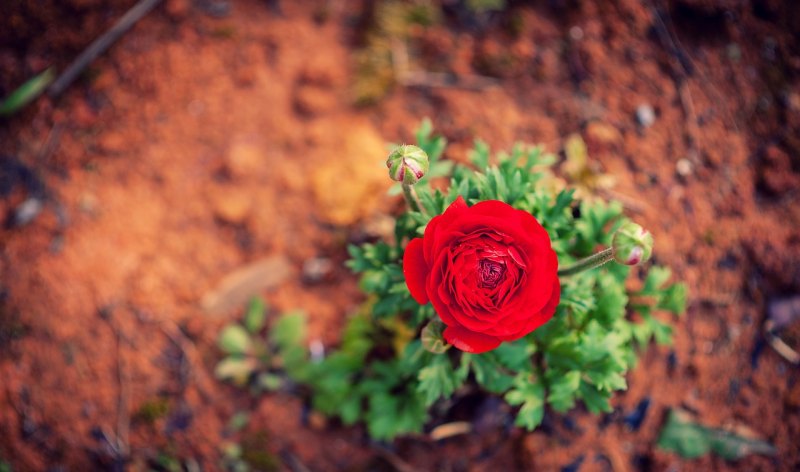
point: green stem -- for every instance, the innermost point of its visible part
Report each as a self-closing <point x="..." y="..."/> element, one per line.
<point x="412" y="199"/>
<point x="595" y="260"/>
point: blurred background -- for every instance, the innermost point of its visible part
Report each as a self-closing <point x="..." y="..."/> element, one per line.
<point x="222" y="149"/>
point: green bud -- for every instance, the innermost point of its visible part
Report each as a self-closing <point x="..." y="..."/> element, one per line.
<point x="632" y="244"/>
<point x="407" y="164"/>
<point x="432" y="337"/>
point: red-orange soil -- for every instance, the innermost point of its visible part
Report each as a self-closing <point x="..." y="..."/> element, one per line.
<point x="200" y="144"/>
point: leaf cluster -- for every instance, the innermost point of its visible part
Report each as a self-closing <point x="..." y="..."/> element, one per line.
<point x="260" y="359"/>
<point x="691" y="440"/>
<point x="382" y="375"/>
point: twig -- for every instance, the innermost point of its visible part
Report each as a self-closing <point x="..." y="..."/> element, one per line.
<point x="688" y="108"/>
<point x="410" y="78"/>
<point x="779" y="345"/>
<point x="176" y="336"/>
<point x="682" y="68"/>
<point x="100" y="45"/>
<point x="293" y="462"/>
<point x="395" y="460"/>
<point x="123" y="405"/>
<point x="119" y="441"/>
<point x="627" y="201"/>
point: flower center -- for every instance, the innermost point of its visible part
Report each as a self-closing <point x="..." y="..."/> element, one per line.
<point x="490" y="273"/>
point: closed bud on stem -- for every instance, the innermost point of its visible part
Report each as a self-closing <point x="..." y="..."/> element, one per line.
<point x="632" y="244"/>
<point x="432" y="337"/>
<point x="407" y="164"/>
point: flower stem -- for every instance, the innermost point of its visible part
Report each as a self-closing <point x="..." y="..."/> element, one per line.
<point x="412" y="199"/>
<point x="595" y="260"/>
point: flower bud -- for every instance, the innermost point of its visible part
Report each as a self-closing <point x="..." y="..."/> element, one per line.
<point x="407" y="164"/>
<point x="632" y="244"/>
<point x="432" y="337"/>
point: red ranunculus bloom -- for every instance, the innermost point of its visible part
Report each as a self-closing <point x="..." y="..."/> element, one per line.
<point x="489" y="271"/>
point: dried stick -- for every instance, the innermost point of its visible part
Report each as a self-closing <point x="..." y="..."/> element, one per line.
<point x="100" y="45"/>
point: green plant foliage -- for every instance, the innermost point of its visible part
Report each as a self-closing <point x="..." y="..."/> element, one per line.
<point x="382" y="375"/>
<point x="262" y="361"/>
<point x="152" y="410"/>
<point x="27" y="92"/>
<point x="255" y="316"/>
<point x="692" y="440"/>
<point x="390" y="25"/>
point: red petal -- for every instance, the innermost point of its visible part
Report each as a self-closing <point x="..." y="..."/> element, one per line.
<point x="549" y="310"/>
<point x="415" y="270"/>
<point x="456" y="209"/>
<point x="470" y="341"/>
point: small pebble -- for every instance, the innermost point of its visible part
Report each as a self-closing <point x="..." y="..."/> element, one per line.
<point x="27" y="211"/>
<point x="317" y="269"/>
<point x="645" y="115"/>
<point x="317" y="350"/>
<point x="576" y="33"/>
<point x="684" y="167"/>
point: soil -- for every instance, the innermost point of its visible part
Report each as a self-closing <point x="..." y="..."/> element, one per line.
<point x="220" y="140"/>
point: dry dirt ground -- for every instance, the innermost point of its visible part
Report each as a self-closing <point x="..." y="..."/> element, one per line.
<point x="210" y="139"/>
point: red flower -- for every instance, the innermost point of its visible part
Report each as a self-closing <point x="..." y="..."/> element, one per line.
<point x="489" y="271"/>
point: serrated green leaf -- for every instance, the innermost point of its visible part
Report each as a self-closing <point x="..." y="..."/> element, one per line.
<point x="662" y="333"/>
<point x="488" y="373"/>
<point x="673" y="299"/>
<point x="607" y="380"/>
<point x="234" y="339"/>
<point x="437" y="380"/>
<point x="255" y="316"/>
<point x="657" y="276"/>
<point x="611" y="300"/>
<point x="562" y="390"/>
<point x="531" y="396"/>
<point x="389" y="416"/>
<point x="596" y="401"/>
<point x="515" y="356"/>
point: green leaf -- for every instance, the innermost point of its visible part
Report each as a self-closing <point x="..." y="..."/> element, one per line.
<point x="607" y="380"/>
<point x="238" y="421"/>
<point x="515" y="356"/>
<point x="673" y="299"/>
<point x="289" y="330"/>
<point x="236" y="369"/>
<point x="234" y="339"/>
<point x="611" y="300"/>
<point x="27" y="92"/>
<point x="488" y="373"/>
<point x="656" y="278"/>
<point x="692" y="440"/>
<point x="531" y="396"/>
<point x="596" y="401"/>
<point x="270" y="382"/>
<point x="563" y="389"/>
<point x="389" y="415"/>
<point x="255" y="316"/>
<point x="432" y="145"/>
<point x="479" y="156"/>
<point x="437" y="380"/>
